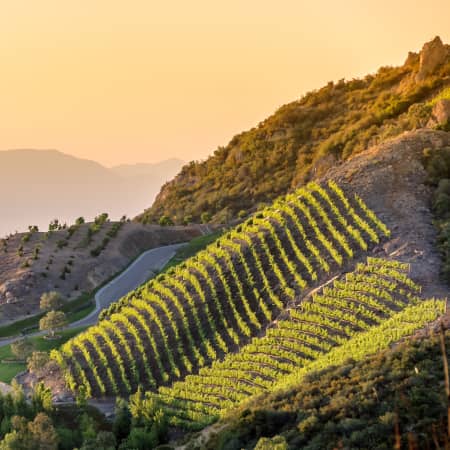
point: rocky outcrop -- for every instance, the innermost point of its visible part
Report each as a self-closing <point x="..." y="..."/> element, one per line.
<point x="440" y="115"/>
<point x="433" y="55"/>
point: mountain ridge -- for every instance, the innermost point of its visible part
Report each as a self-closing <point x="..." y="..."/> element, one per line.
<point x="304" y="138"/>
<point x="37" y="186"/>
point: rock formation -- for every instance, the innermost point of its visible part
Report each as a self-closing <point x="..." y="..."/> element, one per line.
<point x="440" y="115"/>
<point x="433" y="54"/>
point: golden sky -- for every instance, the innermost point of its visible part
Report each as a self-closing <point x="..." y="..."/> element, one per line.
<point x="141" y="80"/>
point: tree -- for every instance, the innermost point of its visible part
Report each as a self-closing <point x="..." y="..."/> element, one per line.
<point x="22" y="348"/>
<point x="87" y="427"/>
<point x="122" y="421"/>
<point x="42" y="398"/>
<point x="79" y="221"/>
<point x="140" y="439"/>
<point x="52" y="321"/>
<point x="38" y="434"/>
<point x="104" y="440"/>
<point x="53" y="225"/>
<point x="275" y="443"/>
<point x="37" y="361"/>
<point x="43" y="433"/>
<point x="51" y="301"/>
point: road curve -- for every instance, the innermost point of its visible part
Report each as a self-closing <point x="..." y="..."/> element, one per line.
<point x="140" y="270"/>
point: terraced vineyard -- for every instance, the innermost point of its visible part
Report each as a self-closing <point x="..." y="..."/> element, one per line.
<point x="217" y="301"/>
<point x="327" y="320"/>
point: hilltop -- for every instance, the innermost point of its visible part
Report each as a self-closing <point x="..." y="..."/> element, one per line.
<point x="37" y="186"/>
<point x="303" y="139"/>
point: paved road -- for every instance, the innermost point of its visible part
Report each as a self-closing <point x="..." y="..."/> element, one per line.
<point x="143" y="268"/>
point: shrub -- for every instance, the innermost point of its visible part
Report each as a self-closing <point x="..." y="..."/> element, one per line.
<point x="165" y="221"/>
<point x="22" y="348"/>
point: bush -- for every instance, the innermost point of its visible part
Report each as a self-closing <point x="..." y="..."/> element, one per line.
<point x="37" y="361"/>
<point x="165" y="221"/>
<point x="22" y="348"/>
<point x="205" y="217"/>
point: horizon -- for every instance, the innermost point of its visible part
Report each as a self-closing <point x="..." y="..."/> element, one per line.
<point x="130" y="163"/>
<point x="148" y="82"/>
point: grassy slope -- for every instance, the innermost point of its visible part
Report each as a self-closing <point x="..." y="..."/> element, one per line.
<point x="191" y="249"/>
<point x="9" y="370"/>
<point x="300" y="141"/>
<point x="75" y="310"/>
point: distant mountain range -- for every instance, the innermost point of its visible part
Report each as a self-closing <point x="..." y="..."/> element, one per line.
<point x="37" y="186"/>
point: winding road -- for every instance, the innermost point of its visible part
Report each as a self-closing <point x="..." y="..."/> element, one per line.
<point x="147" y="265"/>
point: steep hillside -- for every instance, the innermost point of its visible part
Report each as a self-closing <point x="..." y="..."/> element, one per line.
<point x="306" y="137"/>
<point x="38" y="185"/>
<point x="72" y="260"/>
<point x="317" y="329"/>
<point x="277" y="297"/>
<point x="394" y="399"/>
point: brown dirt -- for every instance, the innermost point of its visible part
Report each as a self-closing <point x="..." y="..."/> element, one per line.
<point x="390" y="178"/>
<point x="21" y="287"/>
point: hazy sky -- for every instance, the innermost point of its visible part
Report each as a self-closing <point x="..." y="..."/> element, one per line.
<point x="139" y="80"/>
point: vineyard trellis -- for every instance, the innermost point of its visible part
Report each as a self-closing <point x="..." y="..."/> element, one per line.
<point x="220" y="299"/>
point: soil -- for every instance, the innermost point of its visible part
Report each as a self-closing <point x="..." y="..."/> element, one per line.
<point x="390" y="178"/>
<point x="21" y="287"/>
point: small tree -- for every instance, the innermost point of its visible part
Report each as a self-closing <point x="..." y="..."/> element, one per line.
<point x="79" y="221"/>
<point x="22" y="348"/>
<point x="37" y="361"/>
<point x="44" y="435"/>
<point x="52" y="321"/>
<point x="51" y="301"/>
<point x="205" y="217"/>
<point x="41" y="399"/>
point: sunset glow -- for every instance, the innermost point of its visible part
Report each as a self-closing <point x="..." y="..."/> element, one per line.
<point x="141" y="81"/>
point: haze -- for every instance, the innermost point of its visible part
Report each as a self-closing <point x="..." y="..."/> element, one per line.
<point x="141" y="81"/>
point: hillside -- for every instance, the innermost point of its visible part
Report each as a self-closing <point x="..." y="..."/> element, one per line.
<point x="290" y="288"/>
<point x="393" y="398"/>
<point x="73" y="260"/>
<point x="37" y="186"/>
<point x="301" y="140"/>
<point x="256" y="341"/>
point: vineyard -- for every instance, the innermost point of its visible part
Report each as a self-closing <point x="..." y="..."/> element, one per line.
<point x="361" y="313"/>
<point x="217" y="301"/>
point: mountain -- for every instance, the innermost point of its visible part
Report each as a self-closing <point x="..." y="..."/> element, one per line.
<point x="301" y="140"/>
<point x="168" y="166"/>
<point x="37" y="186"/>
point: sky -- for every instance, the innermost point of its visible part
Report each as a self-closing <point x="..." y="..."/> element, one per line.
<point x="142" y="80"/>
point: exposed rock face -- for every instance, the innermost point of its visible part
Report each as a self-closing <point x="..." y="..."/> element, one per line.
<point x="391" y="179"/>
<point x="433" y="54"/>
<point x="440" y="114"/>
